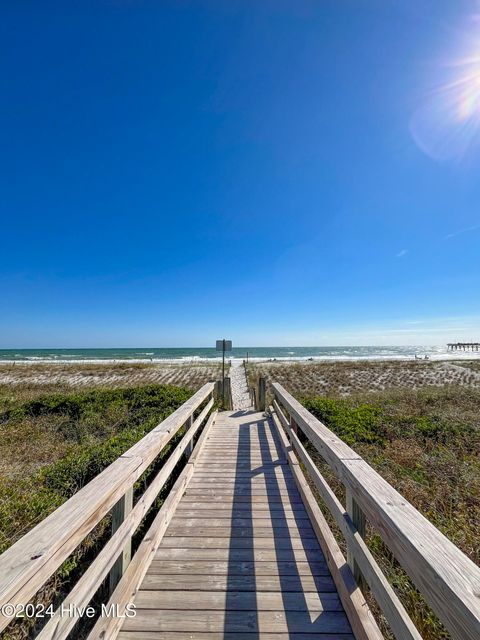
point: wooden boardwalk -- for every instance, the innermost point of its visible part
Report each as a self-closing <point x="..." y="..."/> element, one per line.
<point x="240" y="559"/>
<point x="240" y="548"/>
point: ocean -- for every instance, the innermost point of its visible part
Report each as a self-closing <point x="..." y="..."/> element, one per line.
<point x="254" y="353"/>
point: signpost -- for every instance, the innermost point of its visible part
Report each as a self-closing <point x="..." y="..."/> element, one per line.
<point x="223" y="345"/>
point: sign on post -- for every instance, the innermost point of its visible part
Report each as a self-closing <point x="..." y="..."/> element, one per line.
<point x="223" y="345"/>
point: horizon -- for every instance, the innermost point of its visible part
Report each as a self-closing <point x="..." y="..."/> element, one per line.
<point x="241" y="347"/>
<point x="276" y="171"/>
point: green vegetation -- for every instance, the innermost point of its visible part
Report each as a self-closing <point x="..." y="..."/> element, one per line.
<point x="52" y="444"/>
<point x="425" y="443"/>
<point x="361" y="423"/>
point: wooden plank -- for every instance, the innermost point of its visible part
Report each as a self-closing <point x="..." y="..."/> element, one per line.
<point x="213" y="448"/>
<point x="256" y="442"/>
<point x="217" y="499"/>
<point x="269" y="542"/>
<point x="363" y="623"/>
<point x="27" y="565"/>
<point x="246" y="480"/>
<point x="239" y="567"/>
<point x="178" y="522"/>
<point x="271" y="532"/>
<point x="240" y="510"/>
<point x="267" y="492"/>
<point x="253" y="582"/>
<point x="255" y="446"/>
<point x="189" y="621"/>
<point x="281" y="471"/>
<point x="221" y="635"/>
<point x="238" y="601"/>
<point x="252" y="482"/>
<point x="224" y="554"/>
<point x="447" y="578"/>
<point x="248" y="465"/>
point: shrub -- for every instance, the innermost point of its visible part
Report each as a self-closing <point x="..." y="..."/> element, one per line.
<point x="353" y="424"/>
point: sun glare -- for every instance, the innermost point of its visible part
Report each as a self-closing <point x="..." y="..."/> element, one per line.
<point x="446" y="126"/>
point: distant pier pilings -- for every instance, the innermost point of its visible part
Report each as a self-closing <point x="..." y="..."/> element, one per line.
<point x="463" y="346"/>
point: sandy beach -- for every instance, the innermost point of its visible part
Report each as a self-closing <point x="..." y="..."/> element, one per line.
<point x="300" y="377"/>
<point x="107" y="374"/>
<point x="345" y="378"/>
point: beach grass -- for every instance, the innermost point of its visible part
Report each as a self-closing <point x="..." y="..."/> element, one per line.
<point x="53" y="444"/>
<point x="420" y="429"/>
<point x="34" y="378"/>
<point x="344" y="378"/>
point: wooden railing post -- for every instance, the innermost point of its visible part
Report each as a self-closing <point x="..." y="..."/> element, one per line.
<point x="293" y="426"/>
<point x="262" y="393"/>
<point x="189" y="447"/>
<point x="358" y="518"/>
<point x="228" y="394"/>
<point x="119" y="513"/>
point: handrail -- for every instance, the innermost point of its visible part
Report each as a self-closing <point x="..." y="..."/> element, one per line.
<point x="33" y="559"/>
<point x="448" y="579"/>
<point x="107" y="628"/>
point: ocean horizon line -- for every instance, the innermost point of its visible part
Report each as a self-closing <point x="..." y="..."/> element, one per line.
<point x="255" y="354"/>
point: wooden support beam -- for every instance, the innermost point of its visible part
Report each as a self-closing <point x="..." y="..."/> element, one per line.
<point x="119" y="513"/>
<point x="189" y="447"/>
<point x="358" y="518"/>
<point x="262" y="393"/>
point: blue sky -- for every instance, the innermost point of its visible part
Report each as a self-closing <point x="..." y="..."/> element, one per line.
<point x="280" y="172"/>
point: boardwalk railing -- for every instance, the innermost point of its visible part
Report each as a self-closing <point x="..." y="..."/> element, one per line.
<point x="29" y="563"/>
<point x="448" y="579"/>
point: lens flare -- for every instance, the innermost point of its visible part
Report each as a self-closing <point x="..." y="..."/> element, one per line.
<point x="447" y="125"/>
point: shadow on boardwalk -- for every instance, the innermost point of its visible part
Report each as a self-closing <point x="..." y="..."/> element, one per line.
<point x="275" y="563"/>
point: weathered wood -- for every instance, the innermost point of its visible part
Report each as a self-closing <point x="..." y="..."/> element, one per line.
<point x="108" y="627"/>
<point x="382" y="591"/>
<point x="359" y="521"/>
<point x="240" y="568"/>
<point x="221" y="635"/>
<point x="245" y="520"/>
<point x="253" y="582"/>
<point x="27" y="565"/>
<point x="272" y="533"/>
<point x="59" y="625"/>
<point x="119" y="513"/>
<point x="271" y="500"/>
<point x="188" y="621"/>
<point x="259" y="553"/>
<point x="189" y="449"/>
<point x="238" y="601"/>
<point x="227" y="394"/>
<point x="447" y="578"/>
<point x="363" y="623"/>
<point x="270" y="496"/>
<point x="234" y="510"/>
<point x="262" y="393"/>
<point x="240" y="542"/>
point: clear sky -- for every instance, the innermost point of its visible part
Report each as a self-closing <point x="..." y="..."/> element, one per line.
<point x="283" y="173"/>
